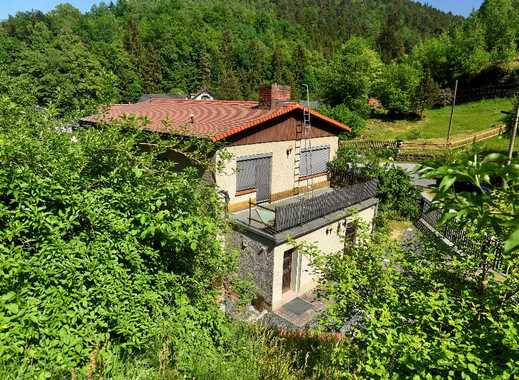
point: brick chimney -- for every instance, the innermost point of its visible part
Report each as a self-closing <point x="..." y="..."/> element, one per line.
<point x="271" y="96"/>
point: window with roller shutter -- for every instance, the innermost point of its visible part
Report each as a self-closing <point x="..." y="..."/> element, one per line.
<point x="253" y="173"/>
<point x="314" y="161"/>
<point x="246" y="175"/>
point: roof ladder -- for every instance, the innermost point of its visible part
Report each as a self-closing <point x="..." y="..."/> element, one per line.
<point x="307" y="138"/>
<point x="297" y="155"/>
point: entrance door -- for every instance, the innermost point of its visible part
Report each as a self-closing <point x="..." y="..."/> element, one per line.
<point x="287" y="270"/>
<point x="263" y="166"/>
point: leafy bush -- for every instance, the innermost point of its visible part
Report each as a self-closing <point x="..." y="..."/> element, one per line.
<point x="101" y="244"/>
<point x="396" y="190"/>
<point x="344" y="115"/>
<point x="350" y="75"/>
<point x="417" y="312"/>
<point x="108" y="257"/>
<point x="413" y="134"/>
<point x="398" y="88"/>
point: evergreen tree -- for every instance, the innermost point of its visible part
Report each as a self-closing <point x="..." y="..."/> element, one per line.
<point x="204" y="66"/>
<point x="278" y="67"/>
<point x="390" y="40"/>
<point x="145" y="58"/>
<point x="299" y="67"/>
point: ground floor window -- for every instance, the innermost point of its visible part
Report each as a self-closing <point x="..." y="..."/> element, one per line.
<point x="350" y="232"/>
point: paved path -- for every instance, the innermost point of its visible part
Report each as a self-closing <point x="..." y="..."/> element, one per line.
<point x="410" y="168"/>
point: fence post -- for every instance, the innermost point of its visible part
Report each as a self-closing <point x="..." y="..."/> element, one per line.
<point x="452" y="113"/>
<point x="514" y="134"/>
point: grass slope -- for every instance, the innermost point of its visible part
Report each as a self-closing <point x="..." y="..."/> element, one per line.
<point x="468" y="119"/>
<point x="497" y="144"/>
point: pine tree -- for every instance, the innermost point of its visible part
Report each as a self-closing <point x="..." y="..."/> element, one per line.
<point x="146" y="59"/>
<point x="299" y="63"/>
<point x="390" y="41"/>
<point x="204" y="67"/>
<point x="277" y="67"/>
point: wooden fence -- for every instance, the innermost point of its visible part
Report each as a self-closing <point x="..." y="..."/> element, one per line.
<point x="404" y="147"/>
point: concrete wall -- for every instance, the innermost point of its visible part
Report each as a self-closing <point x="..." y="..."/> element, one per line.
<point x="327" y="239"/>
<point x="282" y="179"/>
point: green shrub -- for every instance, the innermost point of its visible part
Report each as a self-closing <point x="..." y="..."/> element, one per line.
<point x="413" y="134"/>
<point x="344" y="115"/>
<point x="398" y="89"/>
<point x="396" y="190"/>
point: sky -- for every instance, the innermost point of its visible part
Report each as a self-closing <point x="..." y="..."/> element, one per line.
<point x="459" y="7"/>
<point x="10" y="7"/>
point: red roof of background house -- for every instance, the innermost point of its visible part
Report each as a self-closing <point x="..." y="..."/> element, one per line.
<point x="214" y="119"/>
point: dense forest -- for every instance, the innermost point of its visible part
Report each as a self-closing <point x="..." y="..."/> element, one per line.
<point x="111" y="262"/>
<point x="346" y="51"/>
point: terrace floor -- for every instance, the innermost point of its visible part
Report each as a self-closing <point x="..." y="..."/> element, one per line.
<point x="299" y="215"/>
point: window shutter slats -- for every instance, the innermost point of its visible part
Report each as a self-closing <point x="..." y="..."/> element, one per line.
<point x="246" y="175"/>
<point x="320" y="157"/>
<point x="303" y="169"/>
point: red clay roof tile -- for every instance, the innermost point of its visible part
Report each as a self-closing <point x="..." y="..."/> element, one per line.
<point x="214" y="119"/>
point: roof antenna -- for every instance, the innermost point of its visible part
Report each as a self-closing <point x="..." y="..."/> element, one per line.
<point x="192" y="118"/>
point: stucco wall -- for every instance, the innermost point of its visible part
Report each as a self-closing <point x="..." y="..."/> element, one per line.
<point x="303" y="278"/>
<point x="282" y="179"/>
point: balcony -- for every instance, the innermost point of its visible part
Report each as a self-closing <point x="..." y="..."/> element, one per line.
<point x="287" y="214"/>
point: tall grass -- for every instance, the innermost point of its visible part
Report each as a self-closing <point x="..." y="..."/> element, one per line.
<point x="254" y="353"/>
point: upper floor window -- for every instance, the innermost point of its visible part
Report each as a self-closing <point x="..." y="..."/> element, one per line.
<point x="314" y="161"/>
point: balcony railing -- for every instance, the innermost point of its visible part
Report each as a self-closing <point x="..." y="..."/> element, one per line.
<point x="303" y="210"/>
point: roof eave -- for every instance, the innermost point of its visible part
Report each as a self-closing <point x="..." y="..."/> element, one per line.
<point x="281" y="112"/>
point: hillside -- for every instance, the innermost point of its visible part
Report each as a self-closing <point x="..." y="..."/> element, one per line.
<point x="119" y="51"/>
<point x="363" y="18"/>
<point x="119" y="261"/>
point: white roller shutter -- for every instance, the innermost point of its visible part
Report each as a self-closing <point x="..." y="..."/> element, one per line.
<point x="320" y="156"/>
<point x="246" y="175"/>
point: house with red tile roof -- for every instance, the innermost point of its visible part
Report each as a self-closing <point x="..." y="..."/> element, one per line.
<point x="276" y="184"/>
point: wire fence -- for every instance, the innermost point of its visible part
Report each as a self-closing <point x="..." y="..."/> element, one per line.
<point x="490" y="250"/>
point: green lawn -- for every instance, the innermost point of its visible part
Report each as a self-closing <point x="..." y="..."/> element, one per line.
<point x="468" y="119"/>
<point x="497" y="144"/>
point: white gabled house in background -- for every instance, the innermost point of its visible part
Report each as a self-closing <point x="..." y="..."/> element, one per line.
<point x="203" y="94"/>
<point x="276" y="184"/>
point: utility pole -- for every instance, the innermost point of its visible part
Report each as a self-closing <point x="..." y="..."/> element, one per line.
<point x="514" y="134"/>
<point x="452" y="113"/>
